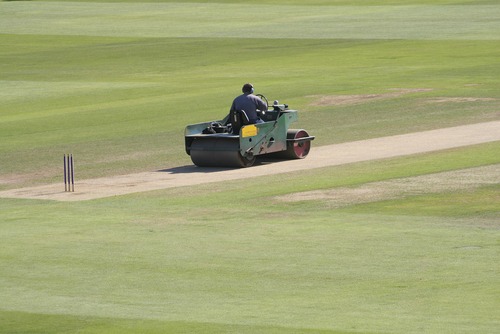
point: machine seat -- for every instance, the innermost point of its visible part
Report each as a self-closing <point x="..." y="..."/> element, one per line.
<point x="238" y="118"/>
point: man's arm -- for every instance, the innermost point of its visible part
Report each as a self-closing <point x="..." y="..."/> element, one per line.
<point x="261" y="105"/>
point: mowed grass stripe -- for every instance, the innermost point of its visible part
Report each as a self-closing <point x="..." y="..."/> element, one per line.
<point x="462" y="22"/>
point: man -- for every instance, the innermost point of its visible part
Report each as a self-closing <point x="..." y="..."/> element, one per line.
<point x="250" y="103"/>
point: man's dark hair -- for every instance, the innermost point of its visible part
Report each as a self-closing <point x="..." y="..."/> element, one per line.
<point x="247" y="88"/>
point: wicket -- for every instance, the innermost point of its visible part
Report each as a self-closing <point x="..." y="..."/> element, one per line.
<point x="69" y="173"/>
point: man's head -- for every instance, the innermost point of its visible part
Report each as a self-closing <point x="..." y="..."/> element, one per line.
<point x="247" y="88"/>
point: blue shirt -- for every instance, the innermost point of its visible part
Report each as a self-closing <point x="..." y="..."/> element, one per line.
<point x="250" y="104"/>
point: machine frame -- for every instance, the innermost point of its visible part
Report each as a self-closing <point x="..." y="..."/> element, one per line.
<point x="214" y="144"/>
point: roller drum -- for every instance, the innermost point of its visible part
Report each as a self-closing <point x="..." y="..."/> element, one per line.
<point x="295" y="149"/>
<point x="218" y="152"/>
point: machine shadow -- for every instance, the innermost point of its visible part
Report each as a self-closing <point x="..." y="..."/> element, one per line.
<point x="190" y="169"/>
<point x="193" y="169"/>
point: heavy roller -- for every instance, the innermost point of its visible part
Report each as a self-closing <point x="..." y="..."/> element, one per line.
<point x="232" y="142"/>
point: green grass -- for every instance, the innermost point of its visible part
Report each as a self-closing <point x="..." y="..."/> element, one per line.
<point x="110" y="98"/>
<point x="151" y="260"/>
<point x="475" y="204"/>
<point x="30" y="323"/>
<point x="115" y="83"/>
<point x="180" y="19"/>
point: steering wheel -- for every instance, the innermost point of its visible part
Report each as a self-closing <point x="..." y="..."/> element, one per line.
<point x="263" y="98"/>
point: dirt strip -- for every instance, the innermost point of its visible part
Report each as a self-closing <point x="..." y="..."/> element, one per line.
<point x="323" y="156"/>
<point x="452" y="181"/>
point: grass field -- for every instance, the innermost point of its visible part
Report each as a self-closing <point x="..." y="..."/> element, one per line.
<point x="115" y="83"/>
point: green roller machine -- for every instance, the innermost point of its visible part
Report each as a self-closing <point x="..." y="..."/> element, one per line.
<point x="232" y="142"/>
